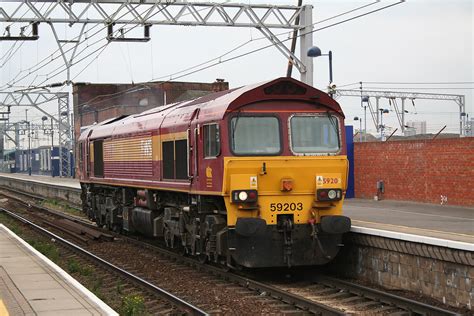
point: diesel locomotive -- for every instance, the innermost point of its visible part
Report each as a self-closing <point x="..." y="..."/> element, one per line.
<point x="254" y="176"/>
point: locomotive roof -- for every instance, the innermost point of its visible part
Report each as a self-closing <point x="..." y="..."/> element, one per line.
<point x="211" y="108"/>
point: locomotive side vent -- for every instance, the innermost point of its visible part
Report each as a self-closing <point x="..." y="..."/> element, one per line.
<point x="285" y="87"/>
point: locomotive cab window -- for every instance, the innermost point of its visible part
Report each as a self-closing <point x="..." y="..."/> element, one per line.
<point x="99" y="158"/>
<point x="255" y="135"/>
<point x="314" y="134"/>
<point x="212" y="146"/>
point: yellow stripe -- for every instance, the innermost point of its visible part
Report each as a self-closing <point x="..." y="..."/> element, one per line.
<point x="117" y="184"/>
<point x="174" y="136"/>
<point x="3" y="309"/>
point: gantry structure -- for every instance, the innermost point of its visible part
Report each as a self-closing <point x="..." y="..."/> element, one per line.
<point x="61" y="119"/>
<point x="114" y="15"/>
<point x="398" y="100"/>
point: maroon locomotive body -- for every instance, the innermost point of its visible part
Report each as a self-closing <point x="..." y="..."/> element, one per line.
<point x="253" y="176"/>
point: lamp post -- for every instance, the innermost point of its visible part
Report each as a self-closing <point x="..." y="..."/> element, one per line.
<point x="364" y="99"/>
<point x="29" y="142"/>
<point x="382" y="127"/>
<point x="316" y="52"/>
<point x="49" y="131"/>
<point x="360" y="127"/>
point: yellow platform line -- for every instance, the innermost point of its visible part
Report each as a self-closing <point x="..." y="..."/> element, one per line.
<point x="3" y="309"/>
<point x="409" y="227"/>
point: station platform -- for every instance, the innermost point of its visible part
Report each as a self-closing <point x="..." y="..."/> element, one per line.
<point x="449" y="224"/>
<point x="442" y="225"/>
<point x="31" y="284"/>
<point x="62" y="182"/>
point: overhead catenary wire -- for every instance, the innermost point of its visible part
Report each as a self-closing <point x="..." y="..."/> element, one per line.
<point x="7" y="55"/>
<point x="48" y="59"/>
<point x="220" y="60"/>
<point x="10" y="83"/>
<point x="301" y="34"/>
<point x="420" y="82"/>
<point x="30" y="70"/>
<point x="258" y="49"/>
<point x="417" y="88"/>
<point x="102" y="48"/>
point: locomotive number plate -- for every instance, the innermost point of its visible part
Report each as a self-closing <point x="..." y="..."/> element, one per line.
<point x="286" y="207"/>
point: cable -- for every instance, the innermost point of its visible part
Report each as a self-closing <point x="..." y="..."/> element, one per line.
<point x="254" y="51"/>
<point x="102" y="47"/>
<point x="349" y="84"/>
<point x="51" y="56"/>
<point x="418" y="88"/>
<point x="260" y="38"/>
<point x="11" y="84"/>
<point x="22" y="42"/>
<point x="420" y="83"/>
<point x="271" y="45"/>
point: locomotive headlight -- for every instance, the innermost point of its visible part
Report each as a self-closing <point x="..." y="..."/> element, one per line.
<point x="243" y="196"/>
<point x="329" y="194"/>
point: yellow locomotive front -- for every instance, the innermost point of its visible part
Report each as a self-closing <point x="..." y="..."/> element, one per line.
<point x="284" y="188"/>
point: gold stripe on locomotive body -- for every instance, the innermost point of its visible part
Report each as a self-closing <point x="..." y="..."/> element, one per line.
<point x="261" y="192"/>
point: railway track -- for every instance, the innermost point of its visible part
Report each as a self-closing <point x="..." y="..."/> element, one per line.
<point x="168" y="303"/>
<point x="321" y="296"/>
<point x="357" y="299"/>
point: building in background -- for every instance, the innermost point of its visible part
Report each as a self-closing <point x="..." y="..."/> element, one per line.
<point x="98" y="102"/>
<point x="415" y="128"/>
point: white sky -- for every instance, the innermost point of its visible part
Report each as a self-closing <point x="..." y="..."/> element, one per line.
<point x="416" y="41"/>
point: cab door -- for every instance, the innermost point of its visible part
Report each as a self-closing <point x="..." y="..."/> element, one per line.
<point x="194" y="149"/>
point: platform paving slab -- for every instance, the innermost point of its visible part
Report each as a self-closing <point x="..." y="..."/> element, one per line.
<point x="31" y="284"/>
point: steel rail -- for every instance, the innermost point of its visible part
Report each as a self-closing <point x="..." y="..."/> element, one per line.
<point x="287" y="297"/>
<point x="378" y="295"/>
<point x="270" y="291"/>
<point x="284" y="296"/>
<point x="176" y="301"/>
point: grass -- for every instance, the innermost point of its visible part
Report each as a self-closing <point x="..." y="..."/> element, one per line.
<point x="119" y="287"/>
<point x="60" y="206"/>
<point x="46" y="248"/>
<point x="73" y="266"/>
<point x="11" y="223"/>
<point x="96" y="288"/>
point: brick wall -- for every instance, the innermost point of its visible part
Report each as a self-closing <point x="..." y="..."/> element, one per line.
<point x="418" y="170"/>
